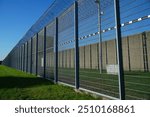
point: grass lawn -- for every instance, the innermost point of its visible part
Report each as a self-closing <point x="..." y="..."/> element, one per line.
<point x="137" y="84"/>
<point x="16" y="85"/>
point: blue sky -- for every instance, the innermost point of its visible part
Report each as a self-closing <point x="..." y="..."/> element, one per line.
<point x="16" y="17"/>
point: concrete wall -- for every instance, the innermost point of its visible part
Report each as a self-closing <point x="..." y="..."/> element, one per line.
<point x="104" y="54"/>
<point x="29" y="55"/>
<point x="82" y="57"/>
<point x="136" y="52"/>
<point x="94" y="56"/>
<point x="132" y="49"/>
<point x="67" y="58"/>
<point x="72" y="58"/>
<point x="132" y="46"/>
<point x="60" y="59"/>
<point x="126" y="53"/>
<point x="87" y="57"/>
<point x="51" y="59"/>
<point x="111" y="52"/>
<point x="33" y="63"/>
<point x="25" y="58"/>
<point x="40" y="64"/>
<point x="148" y="48"/>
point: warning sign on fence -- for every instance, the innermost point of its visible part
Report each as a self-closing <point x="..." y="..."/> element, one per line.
<point x="112" y="69"/>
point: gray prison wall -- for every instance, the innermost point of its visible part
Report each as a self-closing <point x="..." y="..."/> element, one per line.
<point x="136" y="52"/>
<point x="19" y="57"/>
<point x="13" y="58"/>
<point x="25" y="57"/>
<point x="88" y="57"/>
<point x="126" y="53"/>
<point x="72" y="58"/>
<point x="68" y="59"/>
<point x="104" y="54"/>
<point x="29" y="56"/>
<point x="111" y="52"/>
<point x="82" y="57"/>
<point x="34" y="55"/>
<point x="94" y="56"/>
<point x="60" y="59"/>
<point x="148" y="48"/>
<point x="50" y="35"/>
<point x="132" y="47"/>
<point x="41" y="53"/>
<point x="64" y="58"/>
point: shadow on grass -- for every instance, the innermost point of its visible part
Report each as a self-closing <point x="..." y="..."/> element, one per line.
<point x="22" y="82"/>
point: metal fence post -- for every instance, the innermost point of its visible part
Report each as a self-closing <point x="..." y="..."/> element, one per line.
<point x="27" y="57"/>
<point x="100" y="36"/>
<point x="18" y="58"/>
<point x="24" y="57"/>
<point x="31" y="55"/>
<point x="21" y="58"/>
<point x="76" y="45"/>
<point x="56" y="52"/>
<point x="36" y="53"/>
<point x="44" y="52"/>
<point x="119" y="50"/>
<point x="128" y="46"/>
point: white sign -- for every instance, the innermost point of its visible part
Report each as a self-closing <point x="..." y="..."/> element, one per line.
<point x="112" y="69"/>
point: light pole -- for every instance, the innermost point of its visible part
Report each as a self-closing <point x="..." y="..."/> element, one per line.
<point x="100" y="36"/>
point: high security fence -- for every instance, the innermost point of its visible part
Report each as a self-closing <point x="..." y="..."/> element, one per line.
<point x="100" y="46"/>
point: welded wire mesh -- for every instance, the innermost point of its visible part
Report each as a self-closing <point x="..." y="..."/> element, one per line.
<point x="56" y="8"/>
<point x="29" y="56"/>
<point x="18" y="58"/>
<point x="34" y="55"/>
<point x="135" y="44"/>
<point x="14" y="57"/>
<point x="41" y="53"/>
<point x="50" y="36"/>
<point x="25" y="56"/>
<point x="66" y="46"/>
<point x="97" y="46"/>
<point x="13" y="64"/>
<point x="90" y="76"/>
<point x="87" y="21"/>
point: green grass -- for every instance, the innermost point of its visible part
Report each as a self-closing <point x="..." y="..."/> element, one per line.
<point x="137" y="84"/>
<point x="16" y="85"/>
